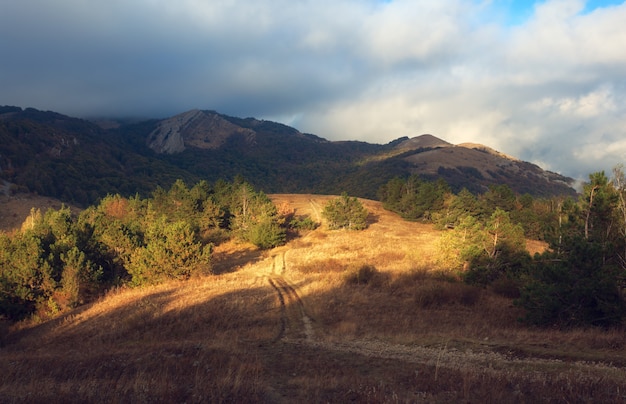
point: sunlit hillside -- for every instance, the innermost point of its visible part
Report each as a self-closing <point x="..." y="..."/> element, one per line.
<point x="332" y="316"/>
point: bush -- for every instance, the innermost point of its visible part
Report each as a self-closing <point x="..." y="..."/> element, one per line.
<point x="303" y="223"/>
<point x="576" y="288"/>
<point x="506" y="287"/>
<point x="506" y="264"/>
<point x="345" y="213"/>
<point x="266" y="234"/>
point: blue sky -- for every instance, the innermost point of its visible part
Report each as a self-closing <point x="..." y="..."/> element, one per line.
<point x="543" y="81"/>
<point x="518" y="11"/>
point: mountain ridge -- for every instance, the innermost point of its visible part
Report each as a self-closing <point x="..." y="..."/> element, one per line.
<point x="79" y="161"/>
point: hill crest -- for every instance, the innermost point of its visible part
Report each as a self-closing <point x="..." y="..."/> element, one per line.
<point x="79" y="162"/>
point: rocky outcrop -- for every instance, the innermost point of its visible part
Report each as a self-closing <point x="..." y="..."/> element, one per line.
<point x="167" y="137"/>
<point x="195" y="128"/>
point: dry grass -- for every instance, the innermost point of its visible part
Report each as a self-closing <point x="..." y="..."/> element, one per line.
<point x="401" y="331"/>
<point x="14" y="209"/>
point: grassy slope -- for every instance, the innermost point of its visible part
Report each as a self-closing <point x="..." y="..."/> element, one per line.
<point x="286" y="326"/>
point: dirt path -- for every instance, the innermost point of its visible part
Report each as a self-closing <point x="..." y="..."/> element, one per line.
<point x="295" y="323"/>
<point x="317" y="210"/>
<point x="297" y="327"/>
<point x="299" y="330"/>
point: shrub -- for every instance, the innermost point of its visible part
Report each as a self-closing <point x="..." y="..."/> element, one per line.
<point x="170" y="252"/>
<point x="506" y="264"/>
<point x="575" y="288"/>
<point x="303" y="223"/>
<point x="266" y="234"/>
<point x="345" y="213"/>
<point x="506" y="287"/>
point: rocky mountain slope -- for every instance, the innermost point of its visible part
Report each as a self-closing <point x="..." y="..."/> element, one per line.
<point x="80" y="161"/>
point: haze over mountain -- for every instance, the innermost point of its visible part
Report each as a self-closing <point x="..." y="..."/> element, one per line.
<point x="80" y="161"/>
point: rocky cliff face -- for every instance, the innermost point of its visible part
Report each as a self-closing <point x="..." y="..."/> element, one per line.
<point x="195" y="128"/>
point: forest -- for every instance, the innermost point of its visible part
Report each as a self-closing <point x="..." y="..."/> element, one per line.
<point x="59" y="260"/>
<point x="578" y="281"/>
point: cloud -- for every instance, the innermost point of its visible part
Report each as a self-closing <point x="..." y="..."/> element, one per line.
<point x="548" y="88"/>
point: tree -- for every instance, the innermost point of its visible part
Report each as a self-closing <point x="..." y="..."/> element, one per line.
<point x="170" y="252"/>
<point x="486" y="250"/>
<point x="600" y="206"/>
<point x="414" y="198"/>
<point x="80" y="278"/>
<point x="345" y="213"/>
<point x="579" y="281"/>
<point x="573" y="287"/>
<point x="460" y="206"/>
<point x="255" y="217"/>
<point x="499" y="196"/>
<point x="619" y="183"/>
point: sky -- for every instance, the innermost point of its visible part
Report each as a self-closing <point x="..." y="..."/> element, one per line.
<point x="544" y="81"/>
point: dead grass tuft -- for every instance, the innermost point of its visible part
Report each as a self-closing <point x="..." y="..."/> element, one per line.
<point x="322" y="266"/>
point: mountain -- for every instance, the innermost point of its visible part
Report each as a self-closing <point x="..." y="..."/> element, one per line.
<point x="80" y="161"/>
<point x="475" y="167"/>
<point x="75" y="160"/>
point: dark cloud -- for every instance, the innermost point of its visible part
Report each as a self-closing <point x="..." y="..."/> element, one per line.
<point x="549" y="89"/>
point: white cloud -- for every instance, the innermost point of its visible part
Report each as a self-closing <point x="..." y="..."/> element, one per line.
<point x="549" y="89"/>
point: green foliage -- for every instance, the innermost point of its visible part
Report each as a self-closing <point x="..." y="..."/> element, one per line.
<point x="579" y="281"/>
<point x="576" y="287"/>
<point x="81" y="278"/>
<point x="303" y="223"/>
<point x="458" y="207"/>
<point x="170" y="252"/>
<point x="57" y="260"/>
<point x="414" y="198"/>
<point x="482" y="245"/>
<point x="266" y="233"/>
<point x="345" y="213"/>
<point x="505" y="269"/>
<point x="576" y="283"/>
<point x="50" y="258"/>
<point x="499" y="197"/>
<point x="255" y="217"/>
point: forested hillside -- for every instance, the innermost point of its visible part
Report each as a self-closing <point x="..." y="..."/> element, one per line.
<point x="80" y="162"/>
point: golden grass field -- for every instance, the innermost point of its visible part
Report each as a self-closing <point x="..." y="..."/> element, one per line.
<point x="300" y="323"/>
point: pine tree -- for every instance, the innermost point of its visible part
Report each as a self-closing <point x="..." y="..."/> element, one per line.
<point x="345" y="213"/>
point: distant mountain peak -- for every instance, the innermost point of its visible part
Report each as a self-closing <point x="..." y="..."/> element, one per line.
<point x="194" y="128"/>
<point x="422" y="142"/>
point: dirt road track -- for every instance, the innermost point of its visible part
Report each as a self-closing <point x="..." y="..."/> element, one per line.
<point x="296" y="327"/>
<point x="295" y="323"/>
<point x="317" y="210"/>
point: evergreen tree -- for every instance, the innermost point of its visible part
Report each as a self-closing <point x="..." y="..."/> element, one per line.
<point x="345" y="213"/>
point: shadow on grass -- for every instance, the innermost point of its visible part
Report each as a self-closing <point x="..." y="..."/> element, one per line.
<point x="222" y="348"/>
<point x="226" y="262"/>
